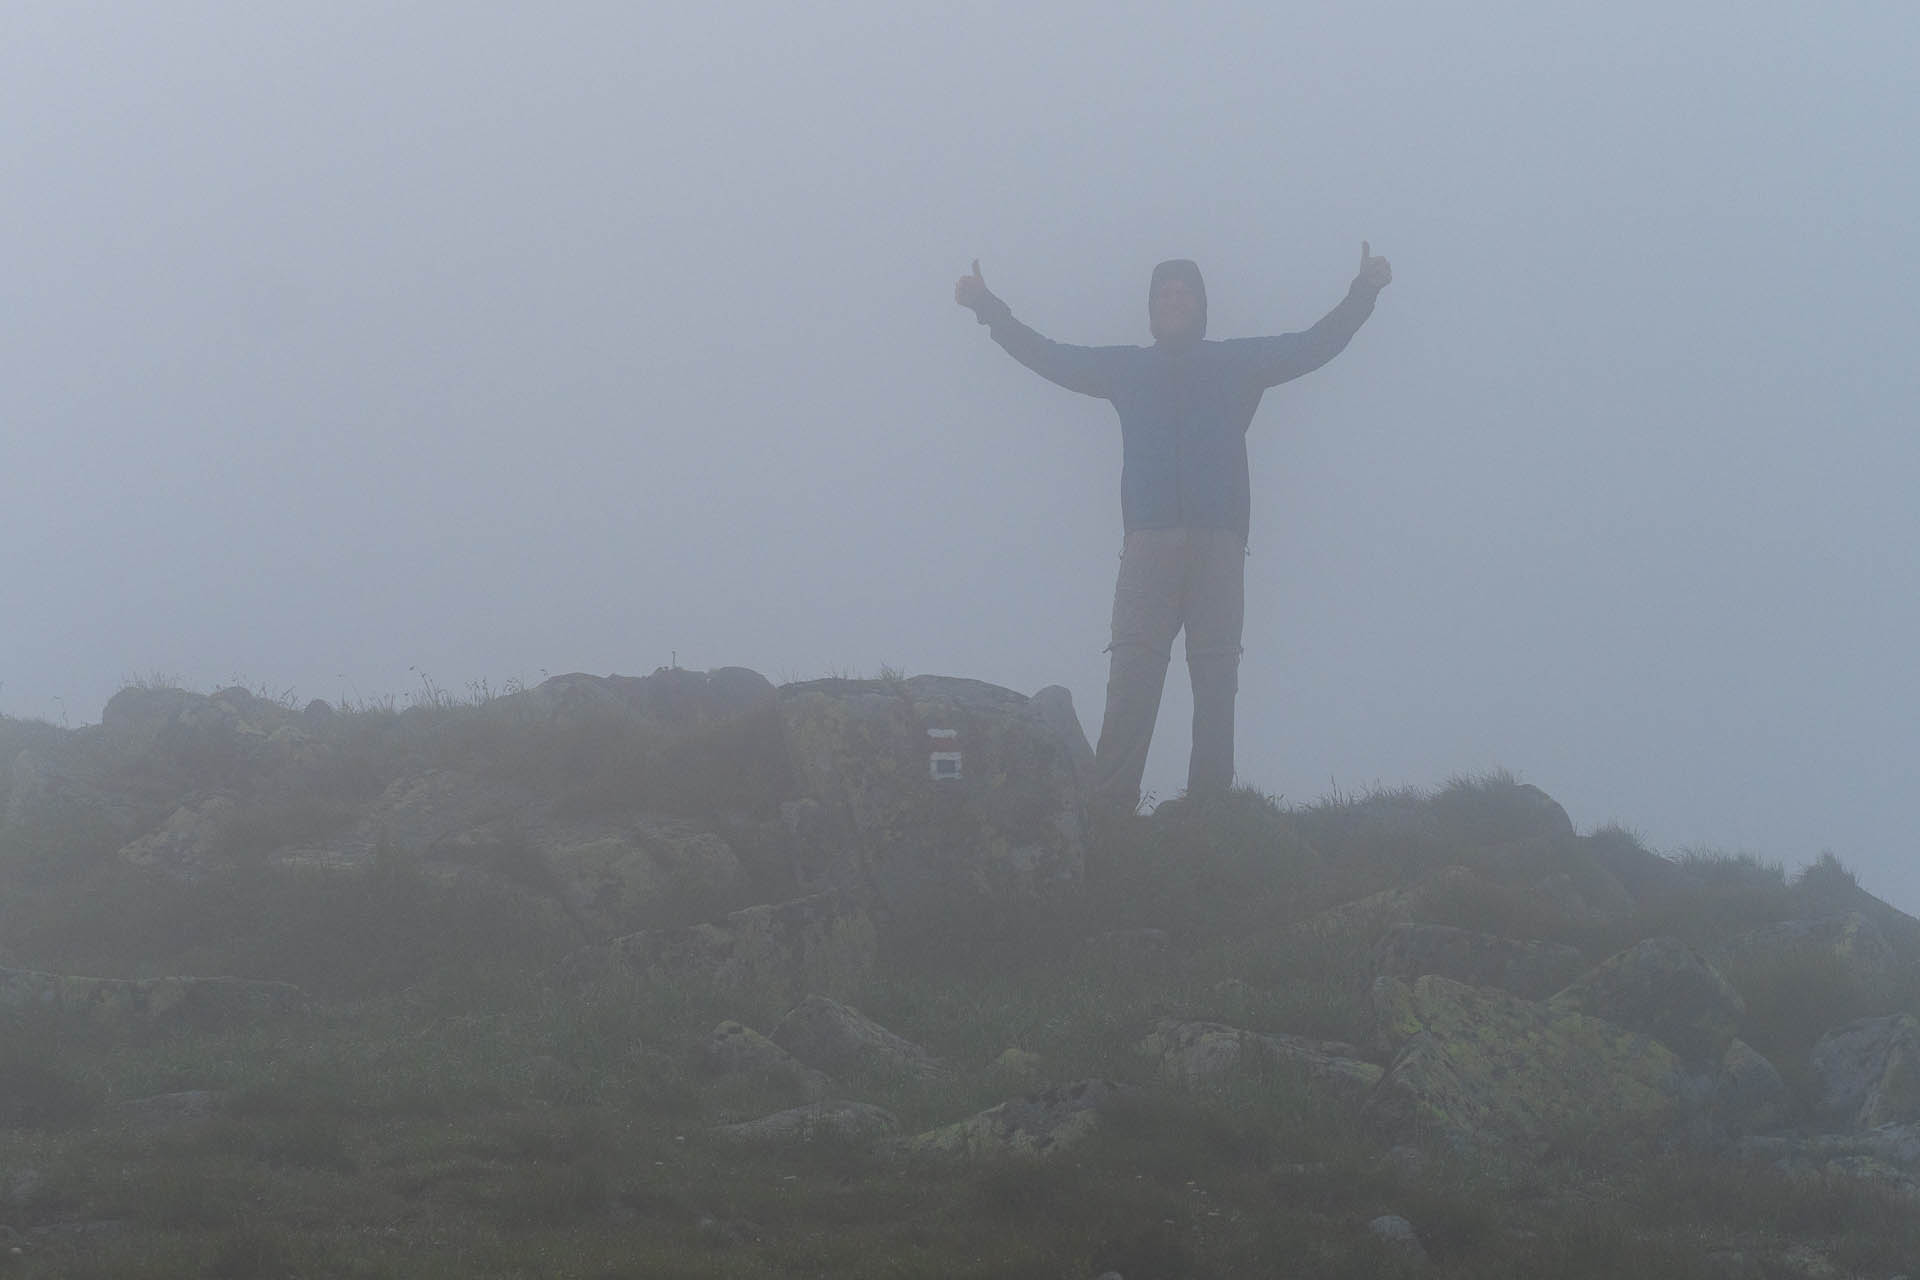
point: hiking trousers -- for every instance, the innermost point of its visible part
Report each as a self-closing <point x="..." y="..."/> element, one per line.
<point x="1170" y="579"/>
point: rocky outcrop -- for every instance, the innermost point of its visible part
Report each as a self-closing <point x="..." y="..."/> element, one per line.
<point x="1497" y="811"/>
<point x="673" y="697"/>
<point x="426" y="814"/>
<point x="1208" y="1052"/>
<point x="1031" y="1127"/>
<point x="826" y="1034"/>
<point x="1868" y="1073"/>
<point x="736" y="1049"/>
<point x="622" y="876"/>
<point x="1749" y="1095"/>
<point x="128" y="1004"/>
<point x="1850" y="942"/>
<point x="1526" y="968"/>
<point x="1662" y="987"/>
<point x="815" y="944"/>
<point x="931" y="792"/>
<point x="192" y="842"/>
<point x="1483" y="1068"/>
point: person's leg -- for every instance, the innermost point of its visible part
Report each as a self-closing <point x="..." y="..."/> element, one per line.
<point x="1146" y="616"/>
<point x="1215" y="612"/>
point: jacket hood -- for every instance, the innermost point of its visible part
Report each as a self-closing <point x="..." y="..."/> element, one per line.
<point x="1179" y="269"/>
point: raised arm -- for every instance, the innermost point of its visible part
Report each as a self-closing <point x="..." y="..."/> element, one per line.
<point x="1088" y="370"/>
<point x="1287" y="356"/>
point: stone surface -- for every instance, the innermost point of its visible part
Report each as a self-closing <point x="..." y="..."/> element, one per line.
<point x="1868" y="1072"/>
<point x="1850" y="940"/>
<point x="191" y="842"/>
<point x="1894" y="1147"/>
<point x="733" y="1048"/>
<point x="1749" y="1096"/>
<point x="1534" y="970"/>
<point x="842" y="1041"/>
<point x="423" y="812"/>
<point x="1038" y="1125"/>
<point x="1397" y="1231"/>
<point x="1054" y="707"/>
<point x="855" y="1123"/>
<point x="1497" y="812"/>
<point x="127" y="1004"/>
<point x="1207" y="1052"/>
<point x="619" y="877"/>
<point x="1017" y="1065"/>
<point x="673" y="697"/>
<point x="815" y="944"/>
<point x="1483" y="1068"/>
<point x="1007" y="827"/>
<point x="1662" y="987"/>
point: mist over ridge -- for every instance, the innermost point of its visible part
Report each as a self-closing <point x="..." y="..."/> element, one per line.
<point x="357" y="346"/>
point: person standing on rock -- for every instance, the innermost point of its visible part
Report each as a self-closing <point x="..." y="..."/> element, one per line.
<point x="1184" y="404"/>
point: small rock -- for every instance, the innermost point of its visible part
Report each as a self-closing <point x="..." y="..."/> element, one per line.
<point x="1395" y="1229"/>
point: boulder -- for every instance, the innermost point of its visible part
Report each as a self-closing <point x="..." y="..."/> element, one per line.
<point x="191" y="842"/>
<point x="135" y="718"/>
<point x="195" y="739"/>
<point x="850" y="1123"/>
<point x="620" y="877"/>
<point x="736" y="1049"/>
<point x="826" y="1034"/>
<point x="1496" y="811"/>
<point x="120" y="1005"/>
<point x="1749" y="1096"/>
<point x="673" y="697"/>
<point x="1208" y="1052"/>
<point x="1485" y="1069"/>
<point x="1399" y="1233"/>
<point x="1662" y="987"/>
<point x="58" y="795"/>
<point x="1868" y="1072"/>
<point x="932" y="792"/>
<point x="783" y="950"/>
<point x="1054" y="707"/>
<point x="1586" y="893"/>
<point x="1890" y="1153"/>
<point x="1367" y="918"/>
<point x="1851" y="941"/>
<point x="1534" y="970"/>
<point x="443" y="813"/>
<point x="1031" y="1127"/>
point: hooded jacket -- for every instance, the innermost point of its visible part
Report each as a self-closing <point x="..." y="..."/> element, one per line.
<point x="1184" y="403"/>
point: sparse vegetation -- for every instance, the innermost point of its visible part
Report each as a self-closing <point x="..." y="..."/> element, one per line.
<point x="455" y="1103"/>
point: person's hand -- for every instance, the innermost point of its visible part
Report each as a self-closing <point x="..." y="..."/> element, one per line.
<point x="1375" y="273"/>
<point x="971" y="290"/>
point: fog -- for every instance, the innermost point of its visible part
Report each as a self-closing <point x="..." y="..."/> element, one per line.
<point x="354" y="347"/>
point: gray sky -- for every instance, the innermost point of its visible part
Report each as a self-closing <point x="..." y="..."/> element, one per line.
<point x="352" y="343"/>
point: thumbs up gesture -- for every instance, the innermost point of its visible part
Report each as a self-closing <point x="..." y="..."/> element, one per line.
<point x="971" y="290"/>
<point x="1375" y="273"/>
